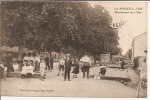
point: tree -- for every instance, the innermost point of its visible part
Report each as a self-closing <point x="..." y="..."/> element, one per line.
<point x="129" y="53"/>
<point x="54" y="26"/>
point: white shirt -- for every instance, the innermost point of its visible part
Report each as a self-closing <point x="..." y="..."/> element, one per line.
<point x="86" y="59"/>
<point x="26" y="58"/>
<point x="42" y="65"/>
<point x="37" y="59"/>
<point x="62" y="62"/>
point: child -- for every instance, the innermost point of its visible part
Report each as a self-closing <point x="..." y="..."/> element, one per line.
<point x="76" y="68"/>
<point x="102" y="70"/>
<point x="42" y="68"/>
<point x="30" y="70"/>
<point x="61" y="66"/>
<point x="27" y="70"/>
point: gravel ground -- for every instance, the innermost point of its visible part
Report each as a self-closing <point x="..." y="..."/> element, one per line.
<point x="79" y="87"/>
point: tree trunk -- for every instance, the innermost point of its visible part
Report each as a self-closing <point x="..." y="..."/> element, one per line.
<point x="20" y="59"/>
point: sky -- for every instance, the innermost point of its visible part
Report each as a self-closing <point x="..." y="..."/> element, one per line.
<point x="135" y="25"/>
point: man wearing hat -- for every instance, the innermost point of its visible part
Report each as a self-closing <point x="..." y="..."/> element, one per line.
<point x="68" y="64"/>
<point x="86" y="63"/>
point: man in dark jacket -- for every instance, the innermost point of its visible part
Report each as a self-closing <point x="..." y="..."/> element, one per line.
<point x="51" y="62"/>
<point x="47" y="62"/>
<point x="68" y="64"/>
<point x="122" y="64"/>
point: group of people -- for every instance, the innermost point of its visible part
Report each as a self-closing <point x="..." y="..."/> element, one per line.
<point x="34" y="62"/>
<point x="66" y="64"/>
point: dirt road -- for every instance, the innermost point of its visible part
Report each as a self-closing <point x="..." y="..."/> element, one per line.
<point x="55" y="86"/>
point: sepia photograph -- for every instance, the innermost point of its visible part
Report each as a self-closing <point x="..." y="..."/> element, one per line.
<point x="77" y="49"/>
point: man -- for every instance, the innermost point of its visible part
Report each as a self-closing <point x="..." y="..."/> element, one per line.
<point x="122" y="64"/>
<point x="61" y="65"/>
<point x="51" y="62"/>
<point x="86" y="63"/>
<point x="8" y="62"/>
<point x="47" y="62"/>
<point x="68" y="64"/>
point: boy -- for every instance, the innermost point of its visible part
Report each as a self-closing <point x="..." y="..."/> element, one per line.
<point x="61" y="66"/>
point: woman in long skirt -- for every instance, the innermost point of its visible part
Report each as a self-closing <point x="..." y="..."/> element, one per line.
<point x="76" y="68"/>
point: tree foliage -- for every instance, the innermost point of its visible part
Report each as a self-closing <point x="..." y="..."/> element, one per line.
<point x="73" y="27"/>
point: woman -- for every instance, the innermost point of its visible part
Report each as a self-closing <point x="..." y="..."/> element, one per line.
<point x="37" y="62"/>
<point x="76" y="68"/>
<point x="42" y="68"/>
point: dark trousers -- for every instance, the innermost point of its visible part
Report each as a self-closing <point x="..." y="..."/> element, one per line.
<point x="122" y="67"/>
<point x="51" y="65"/>
<point x="67" y="73"/>
<point x="85" y="69"/>
<point x="47" y="64"/>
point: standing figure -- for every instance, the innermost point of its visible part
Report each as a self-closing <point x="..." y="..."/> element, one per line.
<point x="47" y="63"/>
<point x="26" y="59"/>
<point x="42" y="68"/>
<point x="68" y="64"/>
<point x="104" y="62"/>
<point x="32" y="60"/>
<point x="76" y="68"/>
<point x="122" y="64"/>
<point x="61" y="66"/>
<point x="86" y="63"/>
<point x="51" y="62"/>
<point x="37" y="62"/>
<point x="1" y="69"/>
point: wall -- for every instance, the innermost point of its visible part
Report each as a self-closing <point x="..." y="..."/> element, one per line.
<point x="139" y="45"/>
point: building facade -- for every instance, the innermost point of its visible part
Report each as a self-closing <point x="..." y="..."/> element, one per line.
<point x="139" y="45"/>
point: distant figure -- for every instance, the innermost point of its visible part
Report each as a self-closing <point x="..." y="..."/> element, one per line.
<point x="76" y="68"/>
<point x="122" y="64"/>
<point x="143" y="73"/>
<point x="32" y="60"/>
<point x="26" y="59"/>
<point x="42" y="68"/>
<point x="1" y="69"/>
<point x="102" y="70"/>
<point x="51" y="62"/>
<point x="104" y="62"/>
<point x="61" y="66"/>
<point x="68" y="64"/>
<point x="47" y="63"/>
<point x="37" y="62"/>
<point x="86" y="63"/>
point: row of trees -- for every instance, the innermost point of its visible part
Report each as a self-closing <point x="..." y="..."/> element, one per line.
<point x="73" y="27"/>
